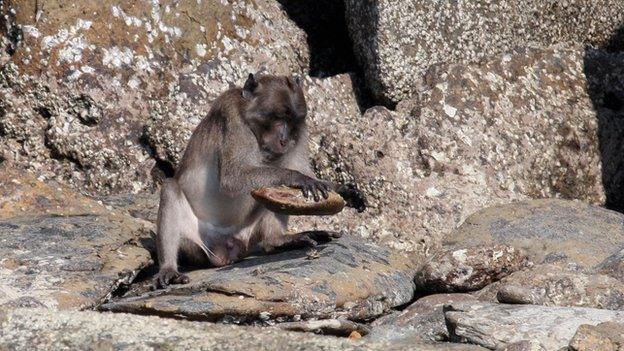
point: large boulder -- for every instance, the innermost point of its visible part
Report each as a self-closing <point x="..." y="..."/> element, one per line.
<point x="61" y="250"/>
<point x="546" y="229"/>
<point x="396" y="41"/>
<point x="515" y="127"/>
<point x="342" y="278"/>
<point x="80" y="79"/>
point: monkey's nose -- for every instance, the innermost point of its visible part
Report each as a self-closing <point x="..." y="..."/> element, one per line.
<point x="283" y="143"/>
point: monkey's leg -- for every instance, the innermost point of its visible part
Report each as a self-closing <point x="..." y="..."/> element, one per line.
<point x="175" y="220"/>
<point x="272" y="231"/>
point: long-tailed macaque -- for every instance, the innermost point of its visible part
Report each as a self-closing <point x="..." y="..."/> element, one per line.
<point x="252" y="137"/>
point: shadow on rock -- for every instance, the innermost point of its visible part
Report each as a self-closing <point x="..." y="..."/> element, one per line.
<point x="604" y="69"/>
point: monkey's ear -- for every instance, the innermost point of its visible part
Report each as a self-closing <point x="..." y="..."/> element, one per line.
<point x="250" y="86"/>
<point x="298" y="80"/>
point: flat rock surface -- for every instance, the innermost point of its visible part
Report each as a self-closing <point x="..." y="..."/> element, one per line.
<point x="555" y="285"/>
<point x="496" y="325"/>
<point x="41" y="329"/>
<point x="587" y="234"/>
<point x="421" y="321"/>
<point x="608" y="336"/>
<point x="463" y="270"/>
<point x="345" y="277"/>
<point x="59" y="249"/>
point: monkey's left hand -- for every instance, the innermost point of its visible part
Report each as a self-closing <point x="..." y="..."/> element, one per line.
<point x="352" y="196"/>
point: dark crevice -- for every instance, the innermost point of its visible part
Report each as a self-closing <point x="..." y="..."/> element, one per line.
<point x="604" y="71"/>
<point x="331" y="48"/>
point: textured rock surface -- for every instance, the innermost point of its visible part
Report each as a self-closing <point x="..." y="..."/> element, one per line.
<point x="606" y="336"/>
<point x="463" y="270"/>
<point x="554" y="285"/>
<point x="89" y="84"/>
<point x="345" y="277"/>
<point x="61" y="250"/>
<point x="494" y="326"/>
<point x="587" y="234"/>
<point x="421" y="321"/>
<point x="515" y="127"/>
<point x="41" y="329"/>
<point x="396" y="41"/>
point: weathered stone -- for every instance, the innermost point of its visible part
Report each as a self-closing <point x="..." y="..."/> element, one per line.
<point x="345" y="277"/>
<point x="554" y="285"/>
<point x="60" y="250"/>
<point x="463" y="270"/>
<point x="585" y="233"/>
<point x="42" y="329"/>
<point x="396" y="41"/>
<point x="606" y="336"/>
<point x="495" y="325"/>
<point x="86" y="85"/>
<point x="422" y="321"/>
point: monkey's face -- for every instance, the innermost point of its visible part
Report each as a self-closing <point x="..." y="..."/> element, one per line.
<point x="276" y="114"/>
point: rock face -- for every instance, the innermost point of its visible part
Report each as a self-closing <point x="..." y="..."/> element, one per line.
<point x="23" y="329"/>
<point x="88" y="85"/>
<point x="514" y="127"/>
<point x="422" y="321"/>
<point x="468" y="269"/>
<point x="345" y="277"/>
<point x="62" y="251"/>
<point x="553" y="285"/>
<point x="606" y="336"/>
<point x="397" y="41"/>
<point x="587" y="234"/>
<point x="494" y="326"/>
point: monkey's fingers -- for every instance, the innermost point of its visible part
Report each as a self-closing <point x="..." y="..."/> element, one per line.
<point x="324" y="188"/>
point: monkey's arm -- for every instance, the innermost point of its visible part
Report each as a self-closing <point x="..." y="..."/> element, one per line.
<point x="248" y="178"/>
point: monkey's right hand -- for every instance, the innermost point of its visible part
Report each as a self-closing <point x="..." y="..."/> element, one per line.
<point x="167" y="276"/>
<point x="353" y="196"/>
<point x="310" y="186"/>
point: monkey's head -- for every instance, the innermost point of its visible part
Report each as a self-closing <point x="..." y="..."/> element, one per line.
<point x="276" y="112"/>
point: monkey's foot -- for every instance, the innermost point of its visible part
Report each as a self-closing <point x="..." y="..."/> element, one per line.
<point x="168" y="276"/>
<point x="307" y="239"/>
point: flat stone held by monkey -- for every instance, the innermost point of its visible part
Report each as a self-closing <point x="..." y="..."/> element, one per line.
<point x="253" y="137"/>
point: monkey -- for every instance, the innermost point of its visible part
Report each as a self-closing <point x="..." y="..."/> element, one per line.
<point x="252" y="137"/>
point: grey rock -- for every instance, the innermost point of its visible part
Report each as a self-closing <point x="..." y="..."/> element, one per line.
<point x="422" y="321"/>
<point x="344" y="278"/>
<point x="469" y="269"/>
<point x="585" y="233"/>
<point x="606" y="336"/>
<point x="557" y="285"/>
<point x="42" y="329"/>
<point x="61" y="250"/>
<point x="396" y="41"/>
<point x="495" y="326"/>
